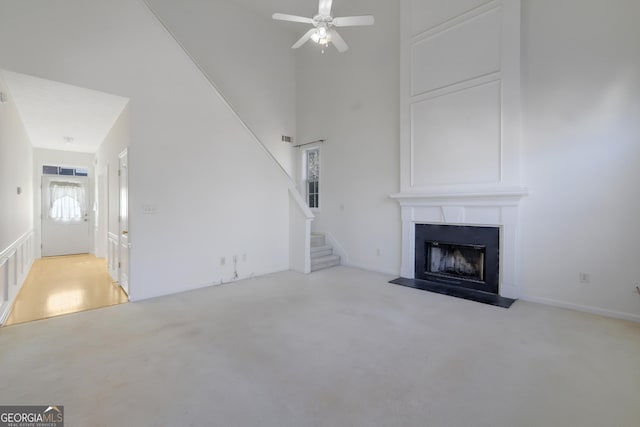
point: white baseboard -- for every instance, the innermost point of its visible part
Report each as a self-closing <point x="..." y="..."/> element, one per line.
<point x="15" y="263"/>
<point x="584" y="308"/>
<point x="112" y="256"/>
<point x="545" y="301"/>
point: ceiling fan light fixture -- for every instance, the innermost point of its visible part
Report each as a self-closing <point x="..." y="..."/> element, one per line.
<point x="324" y="32"/>
<point x="320" y="37"/>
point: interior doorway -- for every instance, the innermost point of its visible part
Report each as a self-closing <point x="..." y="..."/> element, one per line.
<point x="67" y="278"/>
<point x="76" y="134"/>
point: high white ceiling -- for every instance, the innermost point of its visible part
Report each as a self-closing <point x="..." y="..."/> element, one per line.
<point x="307" y="8"/>
<point x="292" y="7"/>
<point x="54" y="112"/>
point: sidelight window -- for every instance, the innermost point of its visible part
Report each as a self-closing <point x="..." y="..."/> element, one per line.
<point x="312" y="175"/>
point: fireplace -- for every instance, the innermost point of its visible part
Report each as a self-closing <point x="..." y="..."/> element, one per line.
<point x="428" y="211"/>
<point x="460" y="256"/>
<point x="455" y="261"/>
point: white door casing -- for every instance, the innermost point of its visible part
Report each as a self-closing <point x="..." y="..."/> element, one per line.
<point x="101" y="212"/>
<point x="123" y="257"/>
<point x="64" y="232"/>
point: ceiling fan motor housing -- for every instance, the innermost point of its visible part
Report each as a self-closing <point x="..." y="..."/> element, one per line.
<point x="318" y="19"/>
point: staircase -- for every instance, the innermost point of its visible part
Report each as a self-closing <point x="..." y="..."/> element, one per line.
<point x="322" y="254"/>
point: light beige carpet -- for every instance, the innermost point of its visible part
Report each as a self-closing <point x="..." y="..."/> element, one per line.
<point x="340" y="347"/>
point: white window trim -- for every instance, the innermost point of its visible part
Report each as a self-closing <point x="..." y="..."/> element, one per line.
<point x="304" y="175"/>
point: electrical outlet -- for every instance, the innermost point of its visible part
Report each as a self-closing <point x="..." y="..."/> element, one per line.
<point x="223" y="260"/>
<point x="584" y="278"/>
<point x="244" y="257"/>
<point x="235" y="258"/>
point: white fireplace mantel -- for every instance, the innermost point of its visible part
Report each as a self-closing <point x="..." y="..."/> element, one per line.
<point x="508" y="196"/>
<point x="497" y="207"/>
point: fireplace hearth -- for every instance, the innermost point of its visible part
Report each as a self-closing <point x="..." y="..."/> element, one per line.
<point x="457" y="260"/>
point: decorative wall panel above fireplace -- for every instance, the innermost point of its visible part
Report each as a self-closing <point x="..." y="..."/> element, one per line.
<point x="460" y="94"/>
<point x="460" y="126"/>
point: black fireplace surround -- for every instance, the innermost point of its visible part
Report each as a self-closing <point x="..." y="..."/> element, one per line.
<point x="459" y="261"/>
<point x="461" y="256"/>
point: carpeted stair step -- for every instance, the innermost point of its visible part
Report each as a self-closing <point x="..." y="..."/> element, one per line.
<point x="324" y="262"/>
<point x="317" y="239"/>
<point x="321" y="251"/>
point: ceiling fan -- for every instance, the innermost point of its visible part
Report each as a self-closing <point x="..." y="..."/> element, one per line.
<point x="323" y="23"/>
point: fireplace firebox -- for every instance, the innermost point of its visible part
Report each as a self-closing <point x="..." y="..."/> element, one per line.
<point x="461" y="256"/>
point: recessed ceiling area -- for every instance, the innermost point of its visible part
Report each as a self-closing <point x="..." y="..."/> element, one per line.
<point x="59" y="116"/>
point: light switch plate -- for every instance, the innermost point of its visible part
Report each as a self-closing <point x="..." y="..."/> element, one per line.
<point x="149" y="209"/>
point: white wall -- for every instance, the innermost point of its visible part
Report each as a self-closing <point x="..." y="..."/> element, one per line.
<point x="217" y="193"/>
<point x="249" y="58"/>
<point x="16" y="170"/>
<point x="107" y="164"/>
<point x="352" y="101"/>
<point x="16" y="210"/>
<point x="43" y="157"/>
<point x="581" y="92"/>
<point x="581" y="86"/>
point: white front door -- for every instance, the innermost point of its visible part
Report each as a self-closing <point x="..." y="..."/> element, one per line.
<point x="65" y="219"/>
<point x="124" y="223"/>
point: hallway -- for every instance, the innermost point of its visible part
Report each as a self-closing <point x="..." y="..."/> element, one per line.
<point x="63" y="285"/>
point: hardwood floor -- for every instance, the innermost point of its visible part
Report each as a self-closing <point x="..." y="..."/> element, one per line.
<point x="63" y="285"/>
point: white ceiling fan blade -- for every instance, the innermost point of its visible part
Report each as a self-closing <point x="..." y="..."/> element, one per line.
<point x="291" y="18"/>
<point x="304" y="38"/>
<point x="353" y="21"/>
<point x="324" y="8"/>
<point x="337" y="41"/>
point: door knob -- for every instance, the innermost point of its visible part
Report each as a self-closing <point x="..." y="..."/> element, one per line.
<point x="125" y="232"/>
